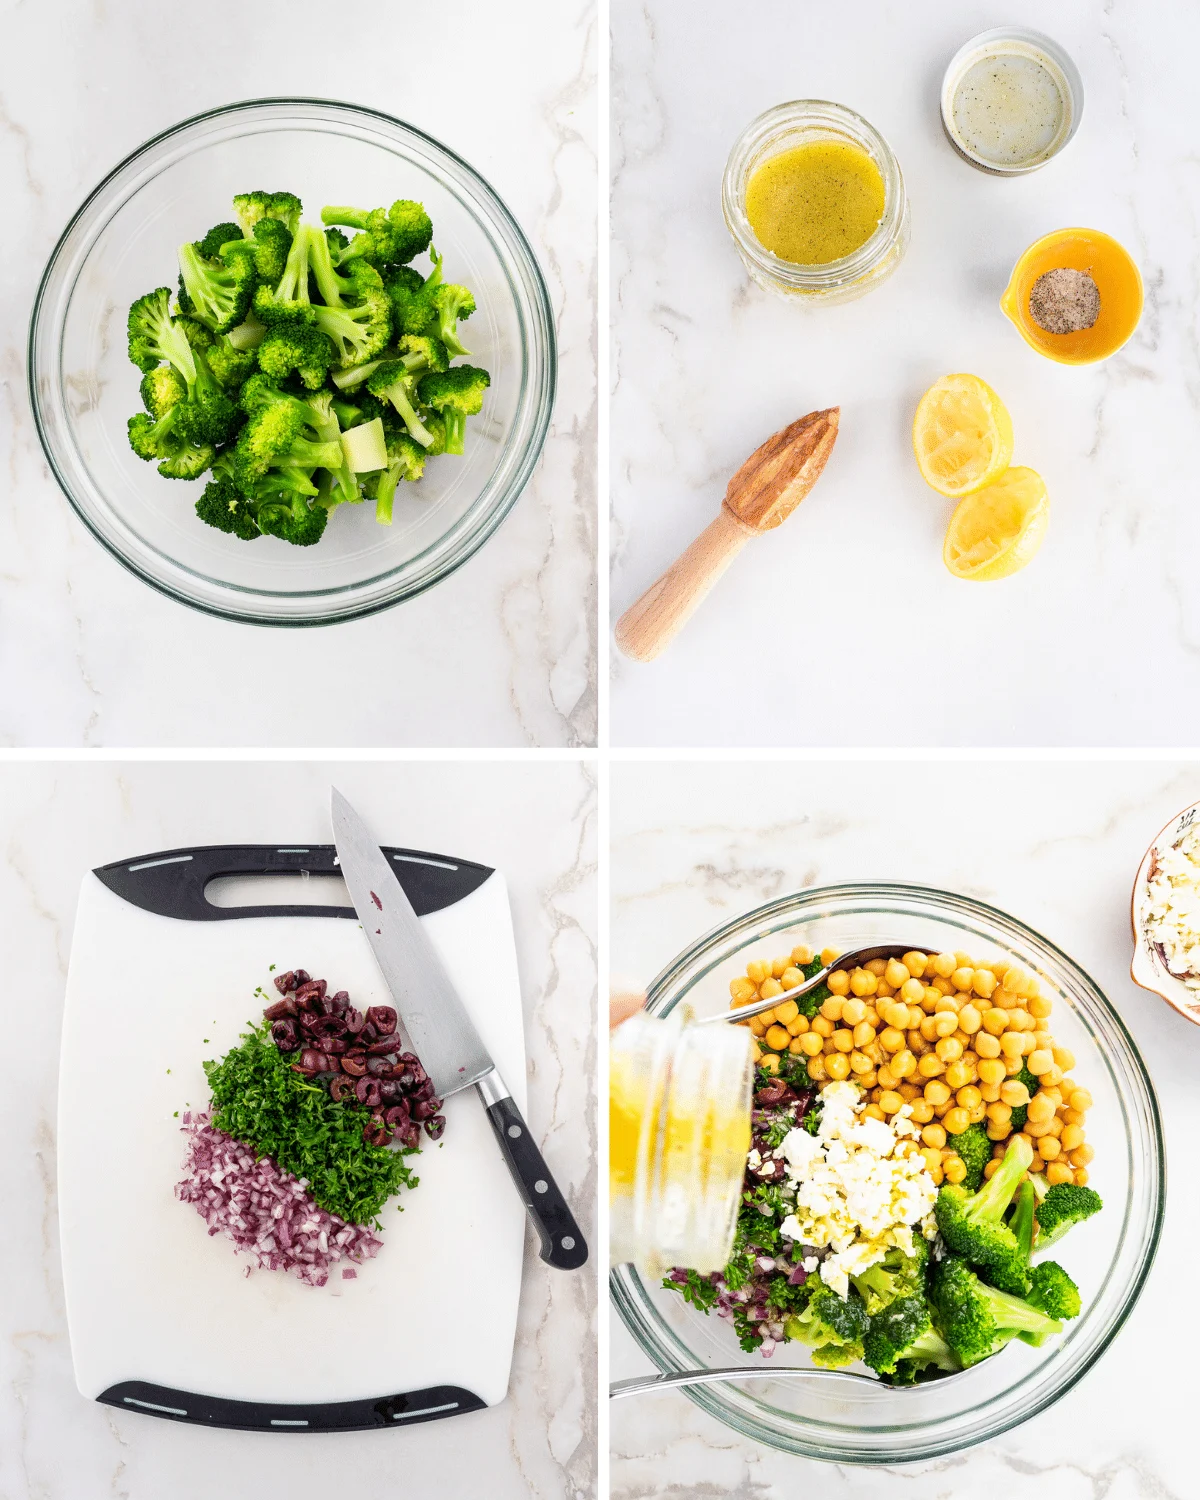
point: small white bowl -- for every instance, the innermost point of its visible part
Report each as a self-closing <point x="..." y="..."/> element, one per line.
<point x="1149" y="969"/>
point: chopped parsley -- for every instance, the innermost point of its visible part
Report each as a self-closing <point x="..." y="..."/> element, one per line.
<point x="698" y="1290"/>
<point x="257" y="1098"/>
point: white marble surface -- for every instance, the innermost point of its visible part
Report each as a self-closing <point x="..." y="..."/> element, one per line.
<point x="1058" y="847"/>
<point x="534" y="822"/>
<point x="1092" y="643"/>
<point x="502" y="653"/>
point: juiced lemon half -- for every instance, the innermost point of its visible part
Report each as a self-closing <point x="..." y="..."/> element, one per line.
<point x="996" y="531"/>
<point x="962" y="435"/>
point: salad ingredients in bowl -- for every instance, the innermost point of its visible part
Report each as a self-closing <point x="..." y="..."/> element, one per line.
<point x="304" y="370"/>
<point x="1166" y="915"/>
<point x="890" y="1215"/>
<point x="870" y="1418"/>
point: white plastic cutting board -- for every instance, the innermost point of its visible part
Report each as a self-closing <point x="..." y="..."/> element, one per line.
<point x="150" y="1296"/>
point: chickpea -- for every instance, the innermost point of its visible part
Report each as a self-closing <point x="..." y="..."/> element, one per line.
<point x="872" y="1111"/>
<point x="802" y="956"/>
<point x="828" y="955"/>
<point x="915" y="963"/>
<point x="896" y="973"/>
<point x="968" y="1097"/>
<point x="769" y="1063"/>
<point x="990" y="1092"/>
<point x="1081" y="1176"/>
<point x="990" y="1168"/>
<point x="852" y="1011"/>
<point x="838" y="982"/>
<point x="986" y="1045"/>
<point x="1040" y="1007"/>
<point x="995" y="1020"/>
<point x="1015" y="1093"/>
<point x="1049" y="1148"/>
<point x="998" y="1130"/>
<point x="1058" y="1172"/>
<point x="816" y="1069"/>
<point x="956" y="1121"/>
<point x="959" y="1074"/>
<point x="1081" y="1100"/>
<point x="757" y="1025"/>
<point x="934" y="1135"/>
<point x="944" y="964"/>
<point x="904" y="1064"/>
<point x="757" y="971"/>
<point x="795" y="1047"/>
<point x="786" y="1012"/>
<point x="860" y="1063"/>
<point x="1010" y="1045"/>
<point x="1082" y="1156"/>
<point x="948" y="1049"/>
<point x="837" y="1066"/>
<point x="1072" y="1137"/>
<point x="912" y="991"/>
<point x="970" y="1019"/>
<point x="822" y="1025"/>
<point x="991" y="1070"/>
<point x="944" y="1025"/>
<point x="862" y="983"/>
<point x="928" y="1028"/>
<point x="984" y="983"/>
<point x="1041" y="1109"/>
<point x="863" y="1034"/>
<point x="999" y="1112"/>
<point x="810" y="1043"/>
<point x="936" y="1093"/>
<point x="955" y="1169"/>
<point x="922" y="1111"/>
<point x="741" y="991"/>
<point x="798" y="1026"/>
<point x="778" y="1038"/>
<point x="930" y="1065"/>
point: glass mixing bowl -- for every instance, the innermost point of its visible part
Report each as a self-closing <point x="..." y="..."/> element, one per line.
<point x="123" y="242"/>
<point x="1109" y="1258"/>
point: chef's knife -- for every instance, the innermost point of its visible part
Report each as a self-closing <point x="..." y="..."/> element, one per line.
<point x="442" y="1032"/>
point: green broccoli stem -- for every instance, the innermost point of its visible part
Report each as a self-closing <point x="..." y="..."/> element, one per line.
<point x="385" y="493"/>
<point x="247" y="335"/>
<point x="397" y="394"/>
<point x="993" y="1198"/>
<point x="321" y="263"/>
<point x="306" y="455"/>
<point x="1015" y="1313"/>
<point x="346" y="218"/>
<point x="351" y="379"/>
<point x="1021" y="1222"/>
<point x="456" y="430"/>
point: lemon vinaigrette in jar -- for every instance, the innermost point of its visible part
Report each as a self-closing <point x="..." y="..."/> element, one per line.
<point x="679" y="1134"/>
<point x="815" y="202"/>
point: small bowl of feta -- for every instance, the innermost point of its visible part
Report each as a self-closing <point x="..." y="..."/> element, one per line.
<point x="1166" y="915"/>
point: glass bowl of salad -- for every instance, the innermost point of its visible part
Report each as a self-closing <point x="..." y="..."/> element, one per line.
<point x="1108" y="1256"/>
<point x="122" y="243"/>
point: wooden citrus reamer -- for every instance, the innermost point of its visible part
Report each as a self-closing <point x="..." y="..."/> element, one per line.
<point x="760" y="496"/>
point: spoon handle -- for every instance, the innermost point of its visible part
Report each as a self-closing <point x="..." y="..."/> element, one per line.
<point x="644" y="1383"/>
<point x="649" y="626"/>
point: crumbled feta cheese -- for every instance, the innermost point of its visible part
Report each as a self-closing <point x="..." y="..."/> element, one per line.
<point x="1173" y="908"/>
<point x="853" y="1193"/>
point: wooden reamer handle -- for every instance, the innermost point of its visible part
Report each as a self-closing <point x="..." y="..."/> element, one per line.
<point x="649" y="626"/>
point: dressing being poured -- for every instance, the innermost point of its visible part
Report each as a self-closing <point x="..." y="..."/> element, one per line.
<point x="817" y="202"/>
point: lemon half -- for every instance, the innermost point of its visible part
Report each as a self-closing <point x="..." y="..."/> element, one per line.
<point x="962" y="435"/>
<point x="996" y="531"/>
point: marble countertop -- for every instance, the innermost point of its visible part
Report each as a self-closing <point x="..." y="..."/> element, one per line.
<point x="535" y="823"/>
<point x="694" y="845"/>
<point x="499" y="654"/>
<point x="1090" y="644"/>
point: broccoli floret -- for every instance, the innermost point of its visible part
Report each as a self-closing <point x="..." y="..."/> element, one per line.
<point x="217" y="236"/>
<point x="976" y="1319"/>
<point x="161" y="389"/>
<point x="423" y="352"/>
<point x="1012" y="1275"/>
<point x="267" y="249"/>
<point x="390" y="236"/>
<point x="1020" y="1113"/>
<point x="166" y="440"/>
<point x="975" y="1150"/>
<point x="435" y="425"/>
<point x="1053" y="1291"/>
<point x="232" y="367"/>
<point x="224" y="506"/>
<point x="357" y="314"/>
<point x="282" y="434"/>
<point x="833" y="1327"/>
<point x="895" y="1276"/>
<point x="412" y="304"/>
<point x="406" y="460"/>
<point x="903" y="1330"/>
<point x="218" y="292"/>
<point x="457" y="394"/>
<point x="296" y="346"/>
<point x="288" y="299"/>
<point x="251" y="208"/>
<point x="972" y="1224"/>
<point x="154" y="336"/>
<point x="293" y="519"/>
<point x="1064" y="1205"/>
<point x="393" y="382"/>
<point x="453" y="304"/>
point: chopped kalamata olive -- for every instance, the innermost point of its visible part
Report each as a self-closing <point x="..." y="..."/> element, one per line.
<point x="355" y="1064"/>
<point x="376" y="1134"/>
<point x="409" y="1059"/>
<point x="324" y="1026"/>
<point x="280" y="1010"/>
<point x="302" y="976"/>
<point x="404" y="1078"/>
<point x="368" y="1033"/>
<point x="334" y="1045"/>
<point x="378" y="1067"/>
<point x="389" y="1090"/>
<point x="285" y="982"/>
<point x="341" y="1000"/>
<point x="771" y="1093"/>
<point x="311" y="1058"/>
<point x="341" y="1089"/>
<point x="283" y="1034"/>
<point x="384" y="1046"/>
<point x="435" y="1126"/>
<point x="383" y="1018"/>
<point x="409" y="1136"/>
<point x="424" y="1109"/>
<point x="397" y="1115"/>
<point x="419" y="1075"/>
<point x="303" y="1071"/>
<point x="422" y="1090"/>
<point x="367" y="1092"/>
<point x="354" y="1020"/>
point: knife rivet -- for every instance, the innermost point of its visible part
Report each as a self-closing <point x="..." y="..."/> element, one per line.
<point x="540" y="1186"/>
<point x="514" y="1131"/>
<point x="567" y="1242"/>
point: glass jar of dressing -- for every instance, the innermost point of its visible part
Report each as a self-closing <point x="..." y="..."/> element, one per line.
<point x="679" y="1132"/>
<point x="815" y="202"/>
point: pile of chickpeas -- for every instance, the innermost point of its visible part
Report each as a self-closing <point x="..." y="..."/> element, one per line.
<point x="940" y="1033"/>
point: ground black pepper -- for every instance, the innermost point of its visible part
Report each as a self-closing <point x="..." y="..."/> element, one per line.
<point x="1064" y="301"/>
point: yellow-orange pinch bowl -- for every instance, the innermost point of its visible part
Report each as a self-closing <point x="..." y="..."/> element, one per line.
<point x="1117" y="279"/>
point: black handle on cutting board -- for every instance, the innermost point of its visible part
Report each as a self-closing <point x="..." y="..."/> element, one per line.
<point x="172" y="883"/>
<point x="563" y="1246"/>
<point x="402" y="1410"/>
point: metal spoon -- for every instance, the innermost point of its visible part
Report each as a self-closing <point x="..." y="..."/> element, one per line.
<point x="646" y="1383"/>
<point x="855" y="959"/>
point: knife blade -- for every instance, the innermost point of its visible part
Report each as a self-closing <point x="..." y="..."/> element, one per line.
<point x="441" y="1030"/>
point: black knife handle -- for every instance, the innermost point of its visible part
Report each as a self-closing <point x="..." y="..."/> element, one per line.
<point x="563" y="1246"/>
